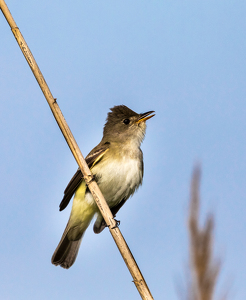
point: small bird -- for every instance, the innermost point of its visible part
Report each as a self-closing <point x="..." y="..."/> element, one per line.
<point x="117" y="166"/>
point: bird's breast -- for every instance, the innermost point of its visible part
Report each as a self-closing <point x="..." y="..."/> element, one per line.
<point x="118" y="178"/>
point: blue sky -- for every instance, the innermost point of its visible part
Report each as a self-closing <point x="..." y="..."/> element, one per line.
<point x="185" y="60"/>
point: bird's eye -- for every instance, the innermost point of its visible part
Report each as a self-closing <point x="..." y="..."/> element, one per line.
<point x="126" y="121"/>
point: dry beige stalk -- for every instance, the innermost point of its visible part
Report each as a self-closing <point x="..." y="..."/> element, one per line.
<point x="138" y="278"/>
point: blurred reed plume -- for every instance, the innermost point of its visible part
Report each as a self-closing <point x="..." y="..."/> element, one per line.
<point x="204" y="268"/>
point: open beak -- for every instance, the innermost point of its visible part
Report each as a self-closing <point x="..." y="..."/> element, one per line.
<point x="144" y="117"/>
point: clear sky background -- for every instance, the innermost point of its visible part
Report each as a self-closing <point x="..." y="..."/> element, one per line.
<point x="184" y="59"/>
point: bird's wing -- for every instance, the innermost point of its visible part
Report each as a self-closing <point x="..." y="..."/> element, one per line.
<point x="71" y="188"/>
<point x="92" y="158"/>
<point x="117" y="207"/>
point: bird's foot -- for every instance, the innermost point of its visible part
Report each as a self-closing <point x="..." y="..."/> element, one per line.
<point x="117" y="224"/>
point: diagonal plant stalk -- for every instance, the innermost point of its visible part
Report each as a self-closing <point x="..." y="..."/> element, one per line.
<point x="138" y="278"/>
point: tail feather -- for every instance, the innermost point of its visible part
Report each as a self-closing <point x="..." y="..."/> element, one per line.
<point x="66" y="251"/>
<point x="80" y="218"/>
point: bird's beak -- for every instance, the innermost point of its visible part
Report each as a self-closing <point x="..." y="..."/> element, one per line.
<point x="144" y="117"/>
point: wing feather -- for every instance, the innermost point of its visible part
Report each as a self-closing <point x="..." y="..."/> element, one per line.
<point x="92" y="158"/>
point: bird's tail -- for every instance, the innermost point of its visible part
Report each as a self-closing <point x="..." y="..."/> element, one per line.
<point x="80" y="218"/>
<point x="67" y="250"/>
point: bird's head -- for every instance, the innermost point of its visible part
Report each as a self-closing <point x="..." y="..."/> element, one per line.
<point x="125" y="125"/>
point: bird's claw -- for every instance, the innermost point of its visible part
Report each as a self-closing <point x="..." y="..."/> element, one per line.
<point x="117" y="224"/>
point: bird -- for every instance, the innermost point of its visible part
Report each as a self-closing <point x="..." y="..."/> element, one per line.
<point x="117" y="166"/>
